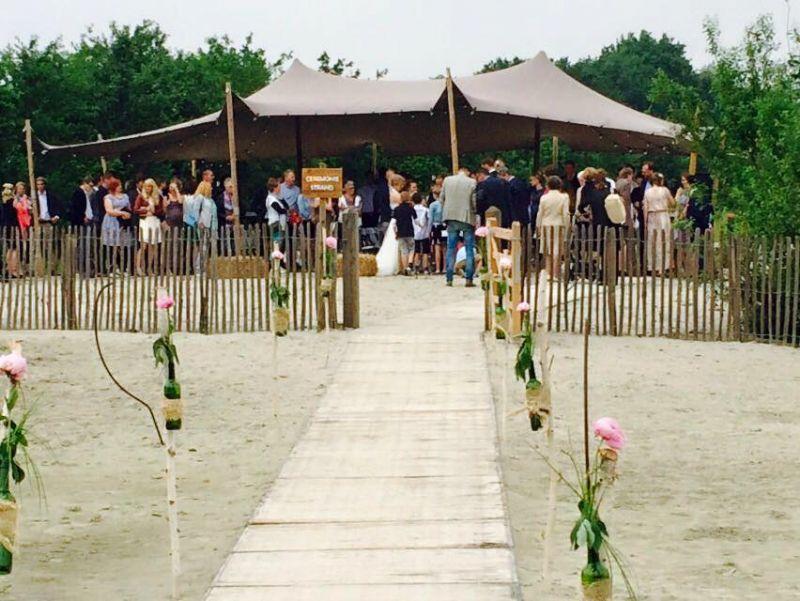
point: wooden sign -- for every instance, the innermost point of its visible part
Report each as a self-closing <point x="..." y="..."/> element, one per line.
<point x="322" y="183"/>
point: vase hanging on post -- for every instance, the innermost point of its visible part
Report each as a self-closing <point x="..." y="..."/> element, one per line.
<point x="280" y="321"/>
<point x="172" y="404"/>
<point x="537" y="401"/>
<point x="166" y="355"/>
<point x="279" y="295"/>
<point x="501" y="323"/>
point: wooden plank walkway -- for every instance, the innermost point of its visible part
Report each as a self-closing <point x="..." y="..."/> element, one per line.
<point x="394" y="493"/>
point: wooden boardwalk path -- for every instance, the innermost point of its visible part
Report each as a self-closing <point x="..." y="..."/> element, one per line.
<point x="394" y="493"/>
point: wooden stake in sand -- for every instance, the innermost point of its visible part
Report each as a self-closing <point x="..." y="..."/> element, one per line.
<point x="586" y="329"/>
<point x="172" y="509"/>
<point x="542" y="342"/>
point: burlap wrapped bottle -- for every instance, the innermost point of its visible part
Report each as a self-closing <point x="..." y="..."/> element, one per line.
<point x="599" y="590"/>
<point x="595" y="578"/>
<point x="280" y="321"/>
<point x="538" y="403"/>
<point x="9" y="516"/>
<point x="502" y="321"/>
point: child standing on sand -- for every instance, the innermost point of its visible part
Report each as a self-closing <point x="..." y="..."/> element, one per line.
<point x="404" y="215"/>
<point x="422" y="234"/>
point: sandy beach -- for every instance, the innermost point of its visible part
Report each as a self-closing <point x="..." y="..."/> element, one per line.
<point x="103" y="532"/>
<point x="704" y="507"/>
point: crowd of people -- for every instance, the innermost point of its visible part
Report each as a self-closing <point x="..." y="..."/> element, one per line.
<point x="436" y="231"/>
<point x="432" y="229"/>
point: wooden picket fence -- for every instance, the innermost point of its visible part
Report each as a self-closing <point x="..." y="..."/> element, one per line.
<point x="220" y="281"/>
<point x="687" y="285"/>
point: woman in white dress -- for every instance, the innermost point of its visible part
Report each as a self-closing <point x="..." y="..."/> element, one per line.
<point x="552" y="221"/>
<point x="657" y="203"/>
<point x="388" y="256"/>
<point x="149" y="207"/>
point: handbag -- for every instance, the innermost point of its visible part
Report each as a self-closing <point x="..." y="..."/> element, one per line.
<point x="615" y="209"/>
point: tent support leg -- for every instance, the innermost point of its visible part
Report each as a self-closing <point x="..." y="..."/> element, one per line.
<point x="537" y="145"/>
<point x="232" y="152"/>
<point x="451" y="112"/>
<point x="31" y="178"/>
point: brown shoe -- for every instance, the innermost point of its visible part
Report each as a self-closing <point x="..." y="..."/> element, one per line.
<point x="469" y="284"/>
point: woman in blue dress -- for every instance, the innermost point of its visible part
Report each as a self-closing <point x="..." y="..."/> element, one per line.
<point x="118" y="211"/>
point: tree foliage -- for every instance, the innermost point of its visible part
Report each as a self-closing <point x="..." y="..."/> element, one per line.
<point x="624" y="70"/>
<point x="113" y="84"/>
<point x="747" y="128"/>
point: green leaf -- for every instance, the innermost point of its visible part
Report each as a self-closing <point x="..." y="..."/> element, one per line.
<point x="585" y="535"/>
<point x="17" y="473"/>
<point x="13" y="397"/>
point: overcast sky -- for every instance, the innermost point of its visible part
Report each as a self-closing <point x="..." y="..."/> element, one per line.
<point x="410" y="38"/>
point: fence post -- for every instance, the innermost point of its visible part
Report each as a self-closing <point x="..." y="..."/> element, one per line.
<point x="68" y="280"/>
<point x="350" y="270"/>
<point x="319" y="263"/>
<point x="610" y="274"/>
<point x="208" y="240"/>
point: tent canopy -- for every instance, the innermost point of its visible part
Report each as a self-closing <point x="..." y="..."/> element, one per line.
<point x="329" y="115"/>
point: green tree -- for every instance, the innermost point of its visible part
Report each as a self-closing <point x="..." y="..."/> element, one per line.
<point x="122" y="82"/>
<point x="500" y="63"/>
<point x="624" y="70"/>
<point x="747" y="130"/>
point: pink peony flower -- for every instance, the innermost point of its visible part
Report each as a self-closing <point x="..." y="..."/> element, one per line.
<point x="278" y="255"/>
<point x="523" y="307"/>
<point x="331" y="243"/>
<point x="482" y="231"/>
<point x="14" y="365"/>
<point x="165" y="302"/>
<point x="505" y="262"/>
<point x="607" y="429"/>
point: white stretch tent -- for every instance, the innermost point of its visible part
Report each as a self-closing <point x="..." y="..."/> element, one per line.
<point x="305" y="112"/>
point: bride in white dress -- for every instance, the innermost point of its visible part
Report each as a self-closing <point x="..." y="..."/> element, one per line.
<point x="387" y="257"/>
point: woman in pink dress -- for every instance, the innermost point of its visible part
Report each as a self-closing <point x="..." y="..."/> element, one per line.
<point x="22" y="205"/>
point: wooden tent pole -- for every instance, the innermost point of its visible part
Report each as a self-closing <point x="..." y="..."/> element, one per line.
<point x="298" y="147"/>
<point x="232" y="151"/>
<point x="103" y="163"/>
<point x="31" y="177"/>
<point x="451" y="111"/>
<point x="693" y="163"/>
<point x="555" y="151"/>
<point x="194" y="169"/>
<point x="537" y="145"/>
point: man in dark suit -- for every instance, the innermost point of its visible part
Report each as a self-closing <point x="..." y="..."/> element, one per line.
<point x="83" y="206"/>
<point x="519" y="194"/>
<point x="99" y="196"/>
<point x="84" y="213"/>
<point x="493" y="192"/>
<point x="381" y="200"/>
<point x="50" y="209"/>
